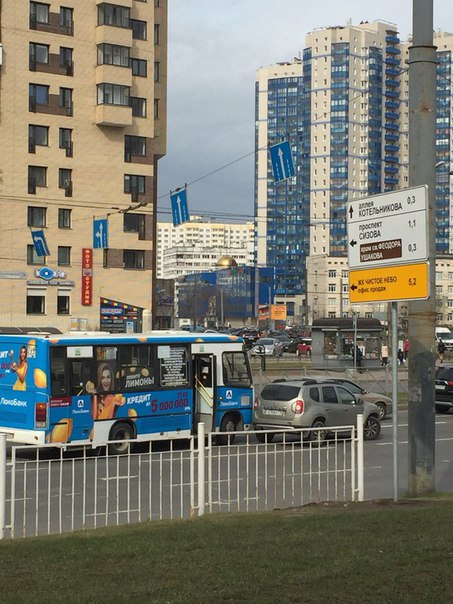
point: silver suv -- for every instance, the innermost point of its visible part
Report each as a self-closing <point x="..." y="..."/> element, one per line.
<point x="311" y="404"/>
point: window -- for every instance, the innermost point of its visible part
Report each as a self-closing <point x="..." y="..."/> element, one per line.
<point x="137" y="367"/>
<point x="134" y="146"/>
<point x="113" y="94"/>
<point x="64" y="218"/>
<point x="138" y="29"/>
<point x="65" y="56"/>
<point x="64" y="178"/>
<point x="36" y="217"/>
<point x="37" y="177"/>
<point x="36" y="301"/>
<point x="134" y="183"/>
<point x="111" y="14"/>
<point x="38" y="95"/>
<point x="235" y="369"/>
<point x="113" y="54"/>
<point x="33" y="258"/>
<point x="65" y="140"/>
<point x="134" y="223"/>
<point x="173" y="366"/>
<point x="156" y="33"/>
<point x="39" y="12"/>
<point x="66" y="18"/>
<point x="65" y="181"/>
<point x="64" y="255"/>
<point x="156" y="109"/>
<point x="138" y="106"/>
<point x="332" y="273"/>
<point x="156" y="71"/>
<point x="66" y="99"/>
<point x="139" y="67"/>
<point x="134" y="259"/>
<point x="37" y="135"/>
<point x="329" y="395"/>
<point x="38" y="53"/>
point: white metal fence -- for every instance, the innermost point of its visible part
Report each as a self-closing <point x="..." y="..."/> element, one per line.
<point x="45" y="491"/>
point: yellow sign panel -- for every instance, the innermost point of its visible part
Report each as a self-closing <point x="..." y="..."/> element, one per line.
<point x="278" y="312"/>
<point x="389" y="283"/>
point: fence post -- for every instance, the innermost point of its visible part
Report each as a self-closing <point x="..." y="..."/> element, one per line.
<point x="201" y="466"/>
<point x="2" y="484"/>
<point x="360" y="460"/>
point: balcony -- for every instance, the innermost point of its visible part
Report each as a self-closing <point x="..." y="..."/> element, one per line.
<point x="392" y="50"/>
<point x="392" y="61"/>
<point x="114" y="74"/>
<point x="114" y="115"/>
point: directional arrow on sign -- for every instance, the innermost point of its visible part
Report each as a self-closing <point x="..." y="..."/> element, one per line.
<point x="353" y="243"/>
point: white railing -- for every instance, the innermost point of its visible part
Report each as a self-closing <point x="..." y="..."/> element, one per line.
<point x="46" y="490"/>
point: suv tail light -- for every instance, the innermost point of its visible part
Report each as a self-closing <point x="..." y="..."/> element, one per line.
<point x="256" y="403"/>
<point x="299" y="407"/>
<point x="41" y="415"/>
<point x="450" y="383"/>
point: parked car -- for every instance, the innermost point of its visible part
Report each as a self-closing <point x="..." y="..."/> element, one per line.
<point x="268" y="347"/>
<point x="444" y="389"/>
<point x="250" y="337"/>
<point x="304" y="347"/>
<point x="312" y="404"/>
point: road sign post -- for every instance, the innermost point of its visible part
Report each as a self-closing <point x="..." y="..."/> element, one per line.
<point x="388" y="254"/>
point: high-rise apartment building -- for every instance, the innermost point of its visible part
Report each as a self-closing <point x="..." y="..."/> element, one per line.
<point x="82" y="127"/>
<point x="343" y="107"/>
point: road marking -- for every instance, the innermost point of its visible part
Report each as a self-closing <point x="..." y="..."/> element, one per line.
<point x="404" y="442"/>
<point x="441" y="423"/>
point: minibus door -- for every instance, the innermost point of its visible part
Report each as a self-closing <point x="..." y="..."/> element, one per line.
<point x="204" y="390"/>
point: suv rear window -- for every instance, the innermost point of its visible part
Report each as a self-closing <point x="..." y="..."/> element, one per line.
<point x="445" y="373"/>
<point x="280" y="392"/>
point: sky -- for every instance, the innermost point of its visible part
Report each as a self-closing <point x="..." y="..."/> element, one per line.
<point x="214" y="50"/>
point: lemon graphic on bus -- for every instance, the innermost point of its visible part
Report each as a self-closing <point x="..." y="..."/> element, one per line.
<point x="40" y="378"/>
<point x="62" y="431"/>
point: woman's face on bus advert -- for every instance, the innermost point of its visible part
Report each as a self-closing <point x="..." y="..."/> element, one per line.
<point x="106" y="379"/>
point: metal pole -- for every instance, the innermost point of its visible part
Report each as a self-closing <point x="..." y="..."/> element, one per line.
<point x="257" y="294"/>
<point x="395" y="397"/>
<point x="422" y="314"/>
<point x="354" y="323"/>
<point x="201" y="464"/>
<point x="360" y="459"/>
<point x="2" y="484"/>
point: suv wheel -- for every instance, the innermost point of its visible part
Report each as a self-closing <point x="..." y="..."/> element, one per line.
<point x="371" y="428"/>
<point x="317" y="436"/>
<point x="442" y="408"/>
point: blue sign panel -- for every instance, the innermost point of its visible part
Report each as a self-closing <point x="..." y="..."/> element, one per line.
<point x="100" y="233"/>
<point x="179" y="209"/>
<point x="282" y="161"/>
<point x="40" y="243"/>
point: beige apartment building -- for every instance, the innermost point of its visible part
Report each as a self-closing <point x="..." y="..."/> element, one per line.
<point x="82" y="127"/>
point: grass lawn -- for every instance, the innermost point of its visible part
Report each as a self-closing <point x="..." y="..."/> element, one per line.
<point x="371" y="552"/>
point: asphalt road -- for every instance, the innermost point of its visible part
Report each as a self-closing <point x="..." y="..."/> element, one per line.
<point x="379" y="458"/>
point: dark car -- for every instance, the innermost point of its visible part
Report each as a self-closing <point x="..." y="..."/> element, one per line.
<point x="250" y="337"/>
<point x="444" y="388"/>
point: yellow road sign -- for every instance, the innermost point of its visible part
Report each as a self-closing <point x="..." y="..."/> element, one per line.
<point x="389" y="283"/>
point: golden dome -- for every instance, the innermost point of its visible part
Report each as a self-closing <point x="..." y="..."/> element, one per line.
<point x="226" y="262"/>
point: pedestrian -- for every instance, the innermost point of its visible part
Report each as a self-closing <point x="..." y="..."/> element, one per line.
<point x="441" y="350"/>
<point x="358" y="357"/>
<point x="384" y="354"/>
<point x="401" y="356"/>
<point x="406" y="348"/>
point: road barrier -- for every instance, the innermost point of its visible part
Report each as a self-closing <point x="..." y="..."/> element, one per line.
<point x="47" y="491"/>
